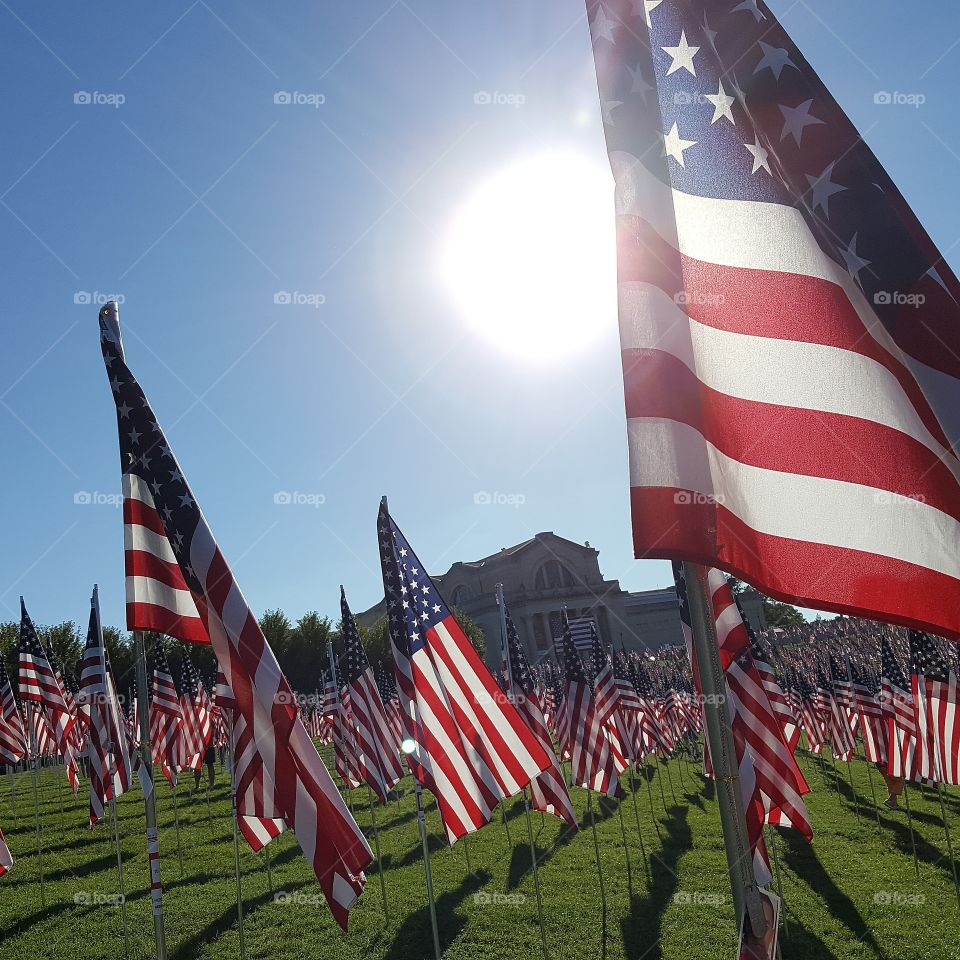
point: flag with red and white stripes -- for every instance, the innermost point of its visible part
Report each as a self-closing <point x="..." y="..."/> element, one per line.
<point x="790" y="334"/>
<point x="166" y="718"/>
<point x="13" y="737"/>
<point x="896" y="699"/>
<point x="583" y="724"/>
<point x="93" y="698"/>
<point x="935" y="693"/>
<point x="548" y="790"/>
<point x="40" y="687"/>
<point x="6" y="861"/>
<point x="178" y="582"/>
<point x="377" y="747"/>
<point x="471" y="746"/>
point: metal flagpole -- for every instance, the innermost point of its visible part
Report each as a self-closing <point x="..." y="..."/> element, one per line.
<point x="422" y="822"/>
<point x="772" y="840"/>
<point x="145" y="774"/>
<point x="236" y="843"/>
<point x="505" y="656"/>
<point x="746" y="896"/>
<point x="115" y="820"/>
<point x="376" y="846"/>
<point x="913" y="842"/>
<point x="653" y="811"/>
<point x="596" y="850"/>
<point x="176" y="822"/>
<point x="266" y="860"/>
<point x="946" y="830"/>
<point x="36" y="804"/>
<point x="636" y="813"/>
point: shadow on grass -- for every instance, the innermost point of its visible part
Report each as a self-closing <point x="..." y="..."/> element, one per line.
<point x="801" y="857"/>
<point x="415" y="936"/>
<point x="641" y="928"/>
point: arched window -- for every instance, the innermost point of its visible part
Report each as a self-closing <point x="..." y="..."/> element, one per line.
<point x="552" y="575"/>
<point x="460" y="594"/>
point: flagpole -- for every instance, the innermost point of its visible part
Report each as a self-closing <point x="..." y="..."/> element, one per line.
<point x="176" y="822"/>
<point x="913" y="842"/>
<point x="505" y="656"/>
<point x="236" y="842"/>
<point x="376" y="845"/>
<point x="719" y="734"/>
<point x="123" y="894"/>
<point x="946" y="830"/>
<point x="36" y="803"/>
<point x="149" y="796"/>
<point x="422" y="822"/>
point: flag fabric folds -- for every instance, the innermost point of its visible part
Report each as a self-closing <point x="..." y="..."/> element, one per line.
<point x="166" y="718"/>
<point x="934" y="682"/>
<point x="178" y="582"/>
<point x="790" y="334"/>
<point x="472" y="748"/>
<point x="13" y="737"/>
<point x="6" y="861"/>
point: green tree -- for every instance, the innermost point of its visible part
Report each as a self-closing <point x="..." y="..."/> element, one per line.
<point x="777" y="613"/>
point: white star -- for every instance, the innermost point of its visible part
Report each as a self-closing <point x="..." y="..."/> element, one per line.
<point x="759" y="156"/>
<point x="824" y="188"/>
<point x="774" y="58"/>
<point x="186" y="500"/>
<point x="795" y="119"/>
<point x="124" y="410"/>
<point x="639" y="84"/>
<point x="134" y="435"/>
<point x="682" y="56"/>
<point x="722" y="102"/>
<point x="751" y="6"/>
<point x="674" y="145"/>
<point x="607" y="107"/>
<point x="855" y="263"/>
<point x="603" y="26"/>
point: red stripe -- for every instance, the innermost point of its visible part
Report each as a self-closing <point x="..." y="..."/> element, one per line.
<point x="149" y="616"/>
<point x="846" y="581"/>
<point x="139" y="563"/>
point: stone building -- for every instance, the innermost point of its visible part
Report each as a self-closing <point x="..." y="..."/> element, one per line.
<point x="545" y="572"/>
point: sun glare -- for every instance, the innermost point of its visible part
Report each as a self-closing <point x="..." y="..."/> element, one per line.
<point x="529" y="257"/>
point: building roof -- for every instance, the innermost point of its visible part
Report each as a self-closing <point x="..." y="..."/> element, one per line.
<point x="505" y="553"/>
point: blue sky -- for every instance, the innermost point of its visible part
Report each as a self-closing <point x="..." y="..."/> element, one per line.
<point x="199" y="199"/>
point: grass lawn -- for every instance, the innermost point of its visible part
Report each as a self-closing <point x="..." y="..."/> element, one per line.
<point x="852" y="893"/>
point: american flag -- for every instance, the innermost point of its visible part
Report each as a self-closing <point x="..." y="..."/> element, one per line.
<point x="606" y="692"/>
<point x="866" y="690"/>
<point x="391" y="700"/>
<point x="6" y="861"/>
<point x="934" y="681"/>
<point x="548" y="791"/>
<point x="581" y="631"/>
<point x="840" y="705"/>
<point x="40" y="687"/>
<point x="195" y="709"/>
<point x="345" y="751"/>
<point x="472" y="747"/>
<point x="179" y="583"/>
<point x="790" y="334"/>
<point x="13" y="738"/>
<point x="93" y="698"/>
<point x="896" y="698"/>
<point x="166" y="718"/>
<point x="582" y="725"/>
<point x="377" y="744"/>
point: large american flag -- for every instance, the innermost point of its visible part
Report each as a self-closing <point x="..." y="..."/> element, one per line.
<point x="40" y="687"/>
<point x="790" y="334"/>
<point x="548" y="791"/>
<point x="13" y="737"/>
<point x="179" y="583"/>
<point x="935" y="695"/>
<point x="472" y="747"/>
<point x="377" y="745"/>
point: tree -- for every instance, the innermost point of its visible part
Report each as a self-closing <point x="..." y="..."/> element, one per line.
<point x="777" y="613"/>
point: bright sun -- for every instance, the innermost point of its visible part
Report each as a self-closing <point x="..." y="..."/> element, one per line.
<point x="529" y="258"/>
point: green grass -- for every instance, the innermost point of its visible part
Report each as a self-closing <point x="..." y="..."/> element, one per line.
<point x="833" y="888"/>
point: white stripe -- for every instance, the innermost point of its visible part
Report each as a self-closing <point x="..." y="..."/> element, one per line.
<point x="788" y="373"/>
<point x="664" y="453"/>
<point x="138" y="537"/>
<point x="148" y="590"/>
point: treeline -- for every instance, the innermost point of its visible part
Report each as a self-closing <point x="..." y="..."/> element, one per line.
<point x="300" y="647"/>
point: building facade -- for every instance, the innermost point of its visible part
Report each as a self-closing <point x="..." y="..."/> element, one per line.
<point x="547" y="572"/>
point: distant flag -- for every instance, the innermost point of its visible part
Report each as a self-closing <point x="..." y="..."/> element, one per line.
<point x="391" y="701"/>
<point x="6" y="861"/>
<point x="896" y="697"/>
<point x="606" y="693"/>
<point x="548" y="790"/>
<point x="790" y="334"/>
<point x="194" y="706"/>
<point x="375" y="739"/>
<point x="178" y="582"/>
<point x="472" y="747"/>
<point x="935" y="696"/>
<point x="94" y="698"/>
<point x="345" y="752"/>
<point x="866" y="690"/>
<point x="840" y="724"/>
<point x="40" y="688"/>
<point x="583" y="725"/>
<point x="166" y="718"/>
<point x="13" y="737"/>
